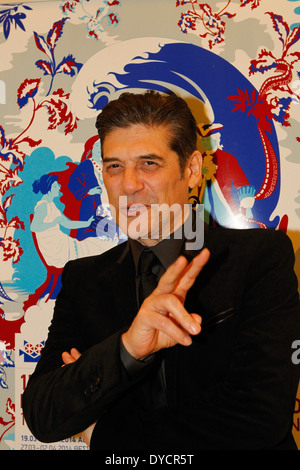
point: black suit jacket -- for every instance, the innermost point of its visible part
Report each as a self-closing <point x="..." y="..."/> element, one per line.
<point x="233" y="388"/>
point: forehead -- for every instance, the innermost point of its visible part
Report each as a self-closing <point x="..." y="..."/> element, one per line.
<point x="137" y="137"/>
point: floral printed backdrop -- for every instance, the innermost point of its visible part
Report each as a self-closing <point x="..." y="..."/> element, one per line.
<point x="236" y="62"/>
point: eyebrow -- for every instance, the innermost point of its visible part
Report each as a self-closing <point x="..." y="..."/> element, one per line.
<point x="149" y="156"/>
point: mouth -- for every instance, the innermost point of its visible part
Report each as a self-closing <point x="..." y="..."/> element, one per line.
<point x="132" y="210"/>
<point x="135" y="209"/>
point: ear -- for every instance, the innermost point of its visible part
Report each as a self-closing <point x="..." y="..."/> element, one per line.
<point x="194" y="168"/>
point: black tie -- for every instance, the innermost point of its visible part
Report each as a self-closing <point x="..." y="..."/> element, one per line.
<point x="148" y="265"/>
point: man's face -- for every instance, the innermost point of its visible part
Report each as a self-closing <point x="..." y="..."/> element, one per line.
<point x="139" y="171"/>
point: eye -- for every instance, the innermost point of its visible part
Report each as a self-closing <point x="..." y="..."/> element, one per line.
<point x="111" y="167"/>
<point x="150" y="164"/>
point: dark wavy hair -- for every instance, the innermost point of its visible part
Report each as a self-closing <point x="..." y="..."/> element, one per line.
<point x="43" y="185"/>
<point x="152" y="109"/>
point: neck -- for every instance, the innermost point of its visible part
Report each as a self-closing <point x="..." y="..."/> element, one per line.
<point x="177" y="225"/>
<point x="48" y="197"/>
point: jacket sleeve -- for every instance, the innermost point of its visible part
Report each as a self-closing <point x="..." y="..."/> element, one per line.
<point x="61" y="401"/>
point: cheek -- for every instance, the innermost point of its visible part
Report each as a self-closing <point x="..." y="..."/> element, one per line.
<point x="175" y="192"/>
<point x="110" y="187"/>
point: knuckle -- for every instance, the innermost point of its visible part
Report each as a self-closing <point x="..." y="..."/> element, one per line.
<point x="171" y="300"/>
<point x="163" y="321"/>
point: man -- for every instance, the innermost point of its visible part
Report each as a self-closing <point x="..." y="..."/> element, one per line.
<point x="204" y="361"/>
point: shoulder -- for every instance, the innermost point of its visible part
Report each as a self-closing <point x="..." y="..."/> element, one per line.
<point x="259" y="257"/>
<point x="86" y="266"/>
<point x="41" y="203"/>
<point x="85" y="165"/>
<point x="256" y="237"/>
<point x="41" y="207"/>
<point x="222" y="154"/>
<point x="260" y="246"/>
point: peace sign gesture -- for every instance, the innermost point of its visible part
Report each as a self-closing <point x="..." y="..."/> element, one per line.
<point x="162" y="320"/>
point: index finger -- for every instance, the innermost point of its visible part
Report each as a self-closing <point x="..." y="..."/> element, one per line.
<point x="181" y="275"/>
<point x="189" y="276"/>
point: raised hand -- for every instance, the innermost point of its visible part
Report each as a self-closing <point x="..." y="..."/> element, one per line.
<point x="162" y="320"/>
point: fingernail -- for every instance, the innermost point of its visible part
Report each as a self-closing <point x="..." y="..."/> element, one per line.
<point x="187" y="340"/>
<point x="195" y="328"/>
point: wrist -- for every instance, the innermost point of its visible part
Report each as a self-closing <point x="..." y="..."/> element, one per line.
<point x="127" y="345"/>
<point x="131" y="364"/>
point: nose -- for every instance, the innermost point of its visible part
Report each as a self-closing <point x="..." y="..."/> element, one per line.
<point x="132" y="183"/>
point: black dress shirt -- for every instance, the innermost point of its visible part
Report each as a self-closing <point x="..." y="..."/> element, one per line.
<point x="166" y="251"/>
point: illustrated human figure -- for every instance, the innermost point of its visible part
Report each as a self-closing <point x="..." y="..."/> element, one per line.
<point x="226" y="193"/>
<point x="86" y="184"/>
<point x="55" y="245"/>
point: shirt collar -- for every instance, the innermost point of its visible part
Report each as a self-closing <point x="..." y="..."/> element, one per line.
<point x="167" y="250"/>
